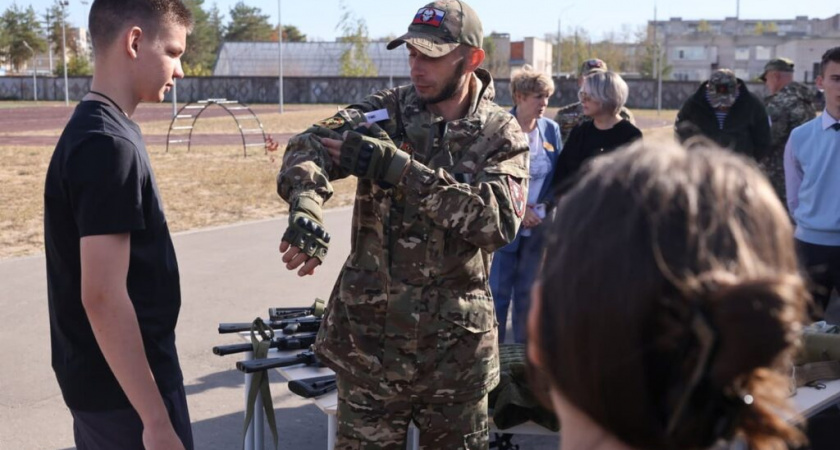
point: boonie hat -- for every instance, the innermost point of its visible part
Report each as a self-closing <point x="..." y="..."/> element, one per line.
<point x="780" y="64"/>
<point x="440" y="27"/>
<point x="723" y="88"/>
<point x="591" y="66"/>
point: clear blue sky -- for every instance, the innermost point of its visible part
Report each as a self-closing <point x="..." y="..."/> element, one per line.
<point x="520" y="18"/>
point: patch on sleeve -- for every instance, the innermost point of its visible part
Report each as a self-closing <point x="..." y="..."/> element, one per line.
<point x="517" y="197"/>
<point x="333" y="123"/>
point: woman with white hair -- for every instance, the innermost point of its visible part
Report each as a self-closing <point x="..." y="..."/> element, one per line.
<point x="602" y="95"/>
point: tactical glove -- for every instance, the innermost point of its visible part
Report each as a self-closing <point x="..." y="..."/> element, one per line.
<point x="372" y="158"/>
<point x="306" y="230"/>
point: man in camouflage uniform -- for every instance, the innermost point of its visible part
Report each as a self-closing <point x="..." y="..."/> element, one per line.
<point x="789" y="105"/>
<point x="410" y="328"/>
<point x="571" y="115"/>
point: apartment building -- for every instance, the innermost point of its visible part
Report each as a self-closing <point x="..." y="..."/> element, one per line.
<point x="695" y="48"/>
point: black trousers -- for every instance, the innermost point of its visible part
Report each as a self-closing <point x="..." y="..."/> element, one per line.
<point x="822" y="265"/>
<point x="122" y="428"/>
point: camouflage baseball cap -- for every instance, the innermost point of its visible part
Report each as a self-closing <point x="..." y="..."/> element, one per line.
<point x="780" y="64"/>
<point x="591" y="66"/>
<point x="440" y="27"/>
<point x="722" y="89"/>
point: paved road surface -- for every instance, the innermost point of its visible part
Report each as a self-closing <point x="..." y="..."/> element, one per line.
<point x="228" y="274"/>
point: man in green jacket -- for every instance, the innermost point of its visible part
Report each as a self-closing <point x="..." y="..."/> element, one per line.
<point x="442" y="171"/>
<point x="789" y="105"/>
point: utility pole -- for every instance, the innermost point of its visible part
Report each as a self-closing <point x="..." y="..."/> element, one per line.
<point x="559" y="48"/>
<point x="64" y="4"/>
<point x="280" y="54"/>
<point x="34" y="80"/>
<point x="657" y="62"/>
<point x="49" y="44"/>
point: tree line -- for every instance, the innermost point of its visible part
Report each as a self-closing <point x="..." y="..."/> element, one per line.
<point x="24" y="31"/>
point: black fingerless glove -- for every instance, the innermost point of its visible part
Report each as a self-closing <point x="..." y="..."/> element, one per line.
<point x="306" y="229"/>
<point x="373" y="158"/>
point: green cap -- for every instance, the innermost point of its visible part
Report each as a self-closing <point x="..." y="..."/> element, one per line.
<point x="591" y="66"/>
<point x="780" y="64"/>
<point x="440" y="27"/>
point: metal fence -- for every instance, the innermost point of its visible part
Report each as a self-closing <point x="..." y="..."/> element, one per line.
<point x="338" y="90"/>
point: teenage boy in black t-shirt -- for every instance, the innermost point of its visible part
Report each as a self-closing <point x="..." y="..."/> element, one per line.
<point x="112" y="276"/>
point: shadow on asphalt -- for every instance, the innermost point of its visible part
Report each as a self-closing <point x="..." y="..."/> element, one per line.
<point x="227" y="378"/>
<point x="300" y="428"/>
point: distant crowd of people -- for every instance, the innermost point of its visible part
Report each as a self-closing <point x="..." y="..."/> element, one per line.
<point x="722" y="110"/>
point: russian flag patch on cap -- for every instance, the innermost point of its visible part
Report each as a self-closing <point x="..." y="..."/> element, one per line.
<point x="429" y="16"/>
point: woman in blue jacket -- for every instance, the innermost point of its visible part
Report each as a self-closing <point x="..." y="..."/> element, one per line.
<point x="515" y="265"/>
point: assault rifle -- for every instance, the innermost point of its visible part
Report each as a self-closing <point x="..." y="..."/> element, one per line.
<point x="313" y="387"/>
<point x="317" y="310"/>
<point x="291" y="342"/>
<point x="289" y="326"/>
<point x="257" y="365"/>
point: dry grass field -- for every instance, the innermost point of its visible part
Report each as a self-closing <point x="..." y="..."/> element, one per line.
<point x="211" y="185"/>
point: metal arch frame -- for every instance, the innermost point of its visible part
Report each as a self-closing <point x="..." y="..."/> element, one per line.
<point x="205" y="104"/>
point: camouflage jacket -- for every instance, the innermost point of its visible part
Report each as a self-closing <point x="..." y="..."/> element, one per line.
<point x="790" y="107"/>
<point x="570" y="116"/>
<point x="411" y="310"/>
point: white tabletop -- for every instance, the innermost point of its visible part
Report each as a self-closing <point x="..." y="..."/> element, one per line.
<point x="809" y="401"/>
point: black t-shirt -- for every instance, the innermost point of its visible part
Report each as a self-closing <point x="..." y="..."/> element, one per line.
<point x="587" y="141"/>
<point x="100" y="182"/>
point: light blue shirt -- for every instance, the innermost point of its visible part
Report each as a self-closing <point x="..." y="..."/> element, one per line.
<point x="812" y="180"/>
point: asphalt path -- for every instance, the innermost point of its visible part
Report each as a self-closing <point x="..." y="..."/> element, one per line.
<point x="228" y="274"/>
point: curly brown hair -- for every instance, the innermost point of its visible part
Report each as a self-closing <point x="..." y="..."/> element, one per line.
<point x="671" y="301"/>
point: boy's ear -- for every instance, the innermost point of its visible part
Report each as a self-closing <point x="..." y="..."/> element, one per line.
<point x="132" y="41"/>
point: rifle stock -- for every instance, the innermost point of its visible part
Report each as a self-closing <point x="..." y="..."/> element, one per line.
<point x="313" y="387"/>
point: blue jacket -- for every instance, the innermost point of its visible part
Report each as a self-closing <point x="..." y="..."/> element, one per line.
<point x="553" y="145"/>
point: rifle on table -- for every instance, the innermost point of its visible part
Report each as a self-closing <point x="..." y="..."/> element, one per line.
<point x="313" y="387"/>
<point x="289" y="326"/>
<point x="257" y="365"/>
<point x="290" y="342"/>
<point x="317" y="310"/>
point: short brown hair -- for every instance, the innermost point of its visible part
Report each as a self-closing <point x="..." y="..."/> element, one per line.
<point x="108" y="17"/>
<point x="652" y="241"/>
<point x="528" y="81"/>
<point x="831" y="55"/>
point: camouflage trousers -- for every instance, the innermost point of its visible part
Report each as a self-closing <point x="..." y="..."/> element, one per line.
<point x="374" y="420"/>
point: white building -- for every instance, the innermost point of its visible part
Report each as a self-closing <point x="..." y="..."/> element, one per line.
<point x="695" y="48"/>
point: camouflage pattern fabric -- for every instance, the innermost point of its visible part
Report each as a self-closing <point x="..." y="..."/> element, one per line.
<point x="790" y="107"/>
<point x="722" y="88"/>
<point x="513" y="402"/>
<point x="570" y="116"/>
<point x="411" y="310"/>
<point x="372" y="419"/>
